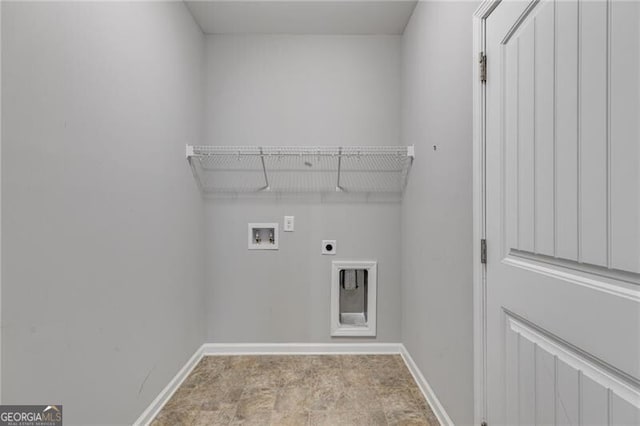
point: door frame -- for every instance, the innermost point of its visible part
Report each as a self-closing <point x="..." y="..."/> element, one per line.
<point x="483" y="11"/>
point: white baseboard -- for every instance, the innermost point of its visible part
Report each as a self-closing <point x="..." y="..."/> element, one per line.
<point x="212" y="349"/>
<point x="300" y="348"/>
<point x="428" y="393"/>
<point x="156" y="405"/>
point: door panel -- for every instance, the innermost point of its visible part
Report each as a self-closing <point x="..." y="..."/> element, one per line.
<point x="573" y="133"/>
<point x="525" y="137"/>
<point x="544" y="170"/>
<point x="567" y="398"/>
<point x="595" y="402"/>
<point x="563" y="212"/>
<point x="592" y="141"/>
<point x="566" y="135"/>
<point x="588" y="391"/>
<point x="625" y="136"/>
<point x="545" y="387"/>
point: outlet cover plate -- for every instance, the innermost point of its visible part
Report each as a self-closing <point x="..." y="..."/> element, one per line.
<point x="289" y="223"/>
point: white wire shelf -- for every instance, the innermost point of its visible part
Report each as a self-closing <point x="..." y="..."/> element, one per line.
<point x="300" y="169"/>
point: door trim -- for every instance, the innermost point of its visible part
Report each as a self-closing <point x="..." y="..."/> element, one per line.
<point x="479" y="197"/>
<point x="611" y="378"/>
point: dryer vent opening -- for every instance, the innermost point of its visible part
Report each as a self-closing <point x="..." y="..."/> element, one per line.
<point x="353" y="298"/>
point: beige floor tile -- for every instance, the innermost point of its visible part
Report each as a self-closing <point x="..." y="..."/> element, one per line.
<point x="357" y="378"/>
<point x="357" y="399"/>
<point x="292" y="398"/>
<point x="407" y="418"/>
<point x="291" y="377"/>
<point x="323" y="361"/>
<point x="290" y="418"/>
<point x="256" y="400"/>
<point x="374" y="362"/>
<point x="300" y="389"/>
<point x="176" y="417"/>
<point x="214" y="418"/>
<point x="322" y="398"/>
<point x="255" y="418"/>
<point x="394" y="377"/>
<point x="347" y="418"/>
<point x="400" y="398"/>
<point x="223" y="401"/>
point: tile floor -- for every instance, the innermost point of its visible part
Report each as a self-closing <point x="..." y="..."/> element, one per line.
<point x="298" y="390"/>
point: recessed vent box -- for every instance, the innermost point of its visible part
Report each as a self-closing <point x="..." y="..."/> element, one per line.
<point x="353" y="298"/>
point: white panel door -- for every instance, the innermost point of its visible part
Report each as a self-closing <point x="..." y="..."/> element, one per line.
<point x="563" y="212"/>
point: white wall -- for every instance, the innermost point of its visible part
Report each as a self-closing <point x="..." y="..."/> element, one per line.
<point x="102" y="224"/>
<point x="299" y="90"/>
<point x="437" y="241"/>
<point x="103" y="266"/>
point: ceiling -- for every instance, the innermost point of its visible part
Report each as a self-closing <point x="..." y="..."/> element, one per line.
<point x="302" y="16"/>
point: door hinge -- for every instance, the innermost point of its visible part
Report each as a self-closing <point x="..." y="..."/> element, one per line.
<point x="483" y="67"/>
<point x="483" y="251"/>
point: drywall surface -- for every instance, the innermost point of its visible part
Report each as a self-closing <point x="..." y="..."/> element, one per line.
<point x="102" y="243"/>
<point x="437" y="311"/>
<point x="299" y="90"/>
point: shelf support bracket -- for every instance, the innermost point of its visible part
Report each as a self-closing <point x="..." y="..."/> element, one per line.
<point x="189" y="152"/>
<point x="264" y="170"/>
<point x="191" y="159"/>
<point x="411" y="151"/>
<point x="338" y="187"/>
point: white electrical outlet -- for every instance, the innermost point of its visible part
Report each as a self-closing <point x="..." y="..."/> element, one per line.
<point x="329" y="246"/>
<point x="289" y="223"/>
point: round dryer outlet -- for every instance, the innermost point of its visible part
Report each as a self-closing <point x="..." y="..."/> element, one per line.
<point x="329" y="247"/>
